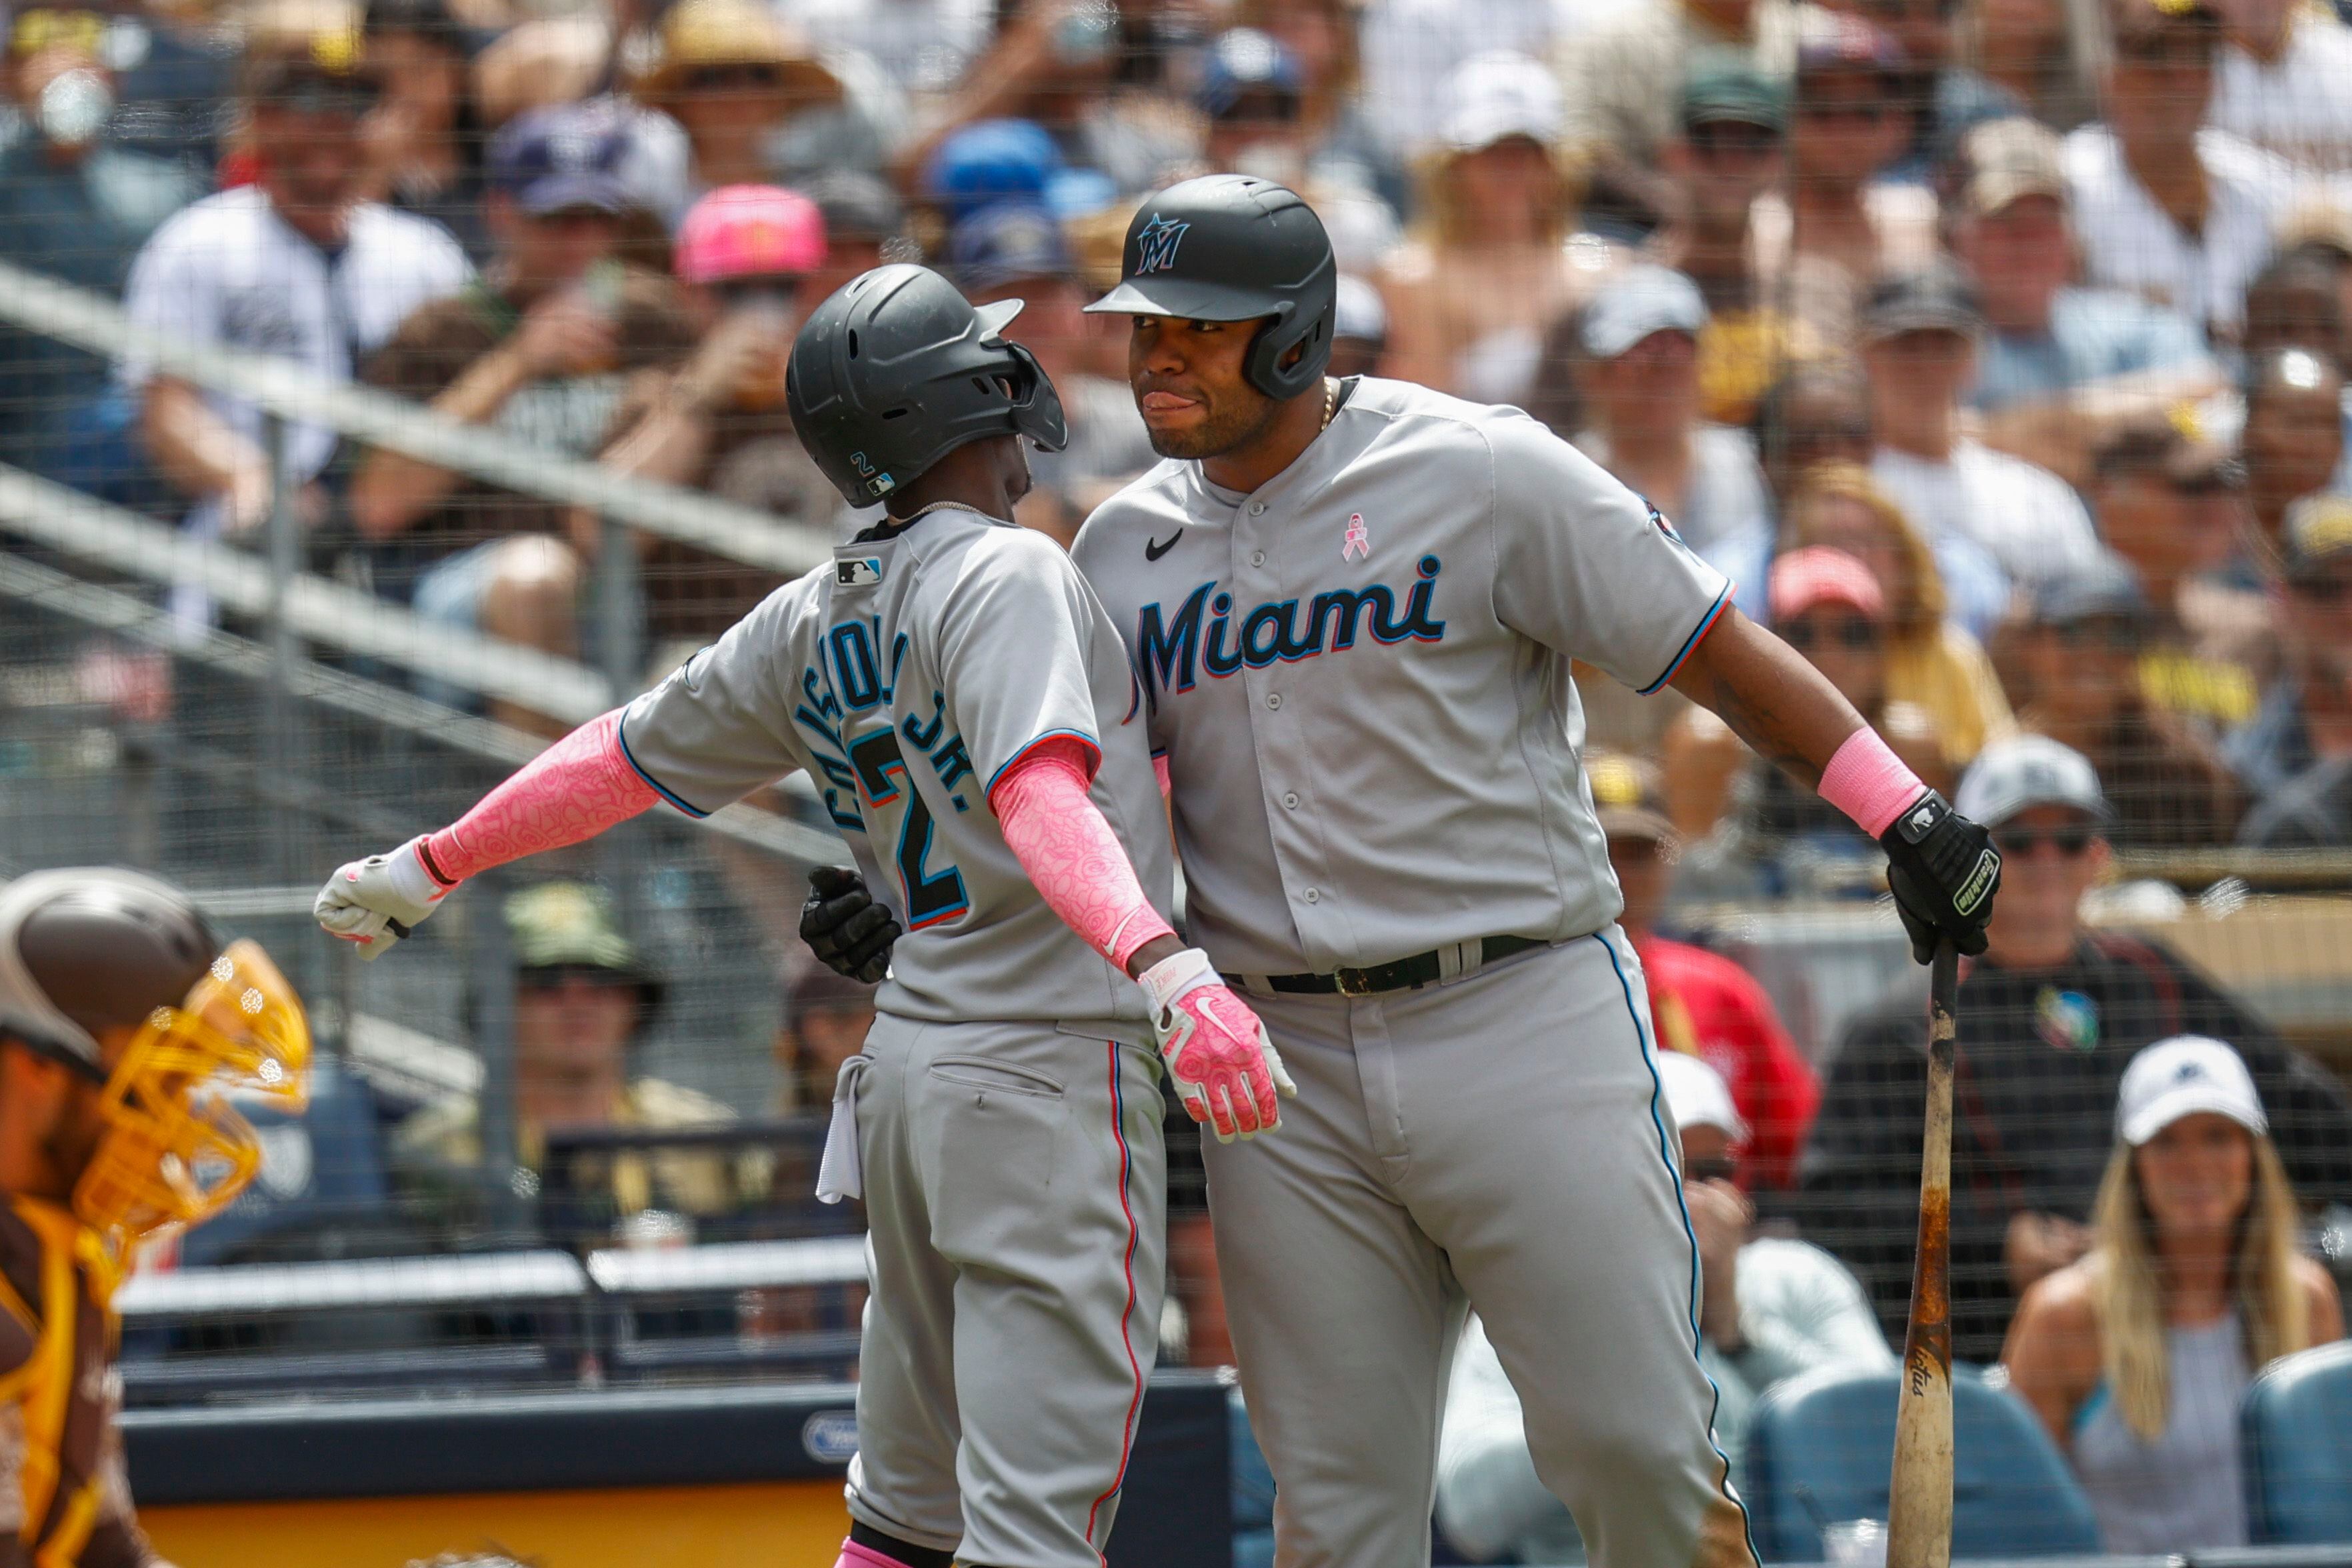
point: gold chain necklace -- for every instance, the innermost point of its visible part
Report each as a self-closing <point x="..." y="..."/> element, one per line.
<point x="1330" y="404"/>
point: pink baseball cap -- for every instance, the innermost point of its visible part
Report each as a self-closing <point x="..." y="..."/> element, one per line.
<point x="1819" y="575"/>
<point x="746" y="231"/>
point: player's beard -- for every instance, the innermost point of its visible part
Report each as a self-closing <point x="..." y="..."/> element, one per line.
<point x="1224" y="430"/>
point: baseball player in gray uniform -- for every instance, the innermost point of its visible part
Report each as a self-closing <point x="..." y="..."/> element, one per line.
<point x="968" y="711"/>
<point x="1351" y="609"/>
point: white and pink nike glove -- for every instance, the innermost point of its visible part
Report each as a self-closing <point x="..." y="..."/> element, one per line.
<point x="374" y="902"/>
<point x="1225" y="1069"/>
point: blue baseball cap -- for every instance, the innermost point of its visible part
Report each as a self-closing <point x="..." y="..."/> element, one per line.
<point x="1001" y="244"/>
<point x="1010" y="160"/>
<point x="555" y="160"/>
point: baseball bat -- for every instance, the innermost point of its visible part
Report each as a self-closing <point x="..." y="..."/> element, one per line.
<point x="1919" y="1492"/>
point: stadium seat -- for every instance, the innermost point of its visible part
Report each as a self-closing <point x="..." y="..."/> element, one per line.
<point x="2296" y="1425"/>
<point x="1819" y="1448"/>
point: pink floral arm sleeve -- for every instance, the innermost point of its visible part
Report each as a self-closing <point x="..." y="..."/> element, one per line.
<point x="1076" y="862"/>
<point x="572" y="791"/>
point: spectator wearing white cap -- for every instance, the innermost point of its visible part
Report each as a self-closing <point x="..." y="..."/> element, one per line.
<point x="2050" y="1017"/>
<point x="1640" y="337"/>
<point x="1470" y="294"/>
<point x="1774" y="1308"/>
<point x="2136" y="1356"/>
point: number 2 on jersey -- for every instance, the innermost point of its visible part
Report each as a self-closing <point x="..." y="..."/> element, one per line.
<point x="931" y="897"/>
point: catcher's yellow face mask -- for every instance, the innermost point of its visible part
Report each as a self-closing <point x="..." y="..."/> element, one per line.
<point x="175" y="1151"/>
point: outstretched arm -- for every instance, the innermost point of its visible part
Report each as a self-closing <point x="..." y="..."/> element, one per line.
<point x="1218" y="1056"/>
<point x="1942" y="868"/>
<point x="572" y="791"/>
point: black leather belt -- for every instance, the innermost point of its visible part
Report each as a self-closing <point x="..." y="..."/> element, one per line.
<point x="1404" y="974"/>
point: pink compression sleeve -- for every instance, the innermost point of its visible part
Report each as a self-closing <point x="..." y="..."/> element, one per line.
<point x="1070" y="853"/>
<point x="575" y="789"/>
<point x="1869" y="782"/>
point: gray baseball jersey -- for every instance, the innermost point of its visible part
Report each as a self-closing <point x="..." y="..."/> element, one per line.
<point x="1359" y="676"/>
<point x="905" y="678"/>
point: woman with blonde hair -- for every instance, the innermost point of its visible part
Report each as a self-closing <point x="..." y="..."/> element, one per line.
<point x="1471" y="294"/>
<point x="2136" y="1357"/>
<point x="1932" y="661"/>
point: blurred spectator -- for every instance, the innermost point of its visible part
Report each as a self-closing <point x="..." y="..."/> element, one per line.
<point x="1360" y="328"/>
<point x="2155" y="487"/>
<point x="298" y="265"/>
<point x="1845" y="225"/>
<point x="426" y="138"/>
<point x="1828" y="606"/>
<point x="2305" y="718"/>
<point x="2280" y="82"/>
<point x="733" y="75"/>
<point x="1471" y="293"/>
<point x="1012" y="162"/>
<point x="1346" y="143"/>
<point x="2296" y="302"/>
<point x="1640" y="337"/>
<point x="1932" y="662"/>
<point x="1413" y="47"/>
<point x="2294" y="442"/>
<point x="1812" y="414"/>
<point x="1732" y="151"/>
<point x="2062" y="365"/>
<point x="2136" y="1357"/>
<point x="924" y="46"/>
<point x="2178" y="213"/>
<point x="542" y="350"/>
<point x="1624" y="78"/>
<point x="1251" y="94"/>
<point x="1920" y="341"/>
<point x="745" y="255"/>
<point x="1774" y="1308"/>
<point x="826" y="1020"/>
<point x="1702" y="1005"/>
<point x="77" y="204"/>
<point x="865" y="226"/>
<point x="2080" y="652"/>
<point x="2038" y="51"/>
<point x="2050" y="1017"/>
<point x="1009" y="252"/>
<point x="583" y="1001"/>
<point x="2319" y="229"/>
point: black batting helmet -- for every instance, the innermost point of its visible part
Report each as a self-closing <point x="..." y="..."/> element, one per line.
<point x="895" y="369"/>
<point x="1229" y="247"/>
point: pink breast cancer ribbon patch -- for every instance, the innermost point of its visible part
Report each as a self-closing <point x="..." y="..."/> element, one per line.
<point x="1358" y="543"/>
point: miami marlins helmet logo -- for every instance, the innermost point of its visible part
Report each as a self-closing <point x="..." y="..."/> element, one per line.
<point x="1156" y="243"/>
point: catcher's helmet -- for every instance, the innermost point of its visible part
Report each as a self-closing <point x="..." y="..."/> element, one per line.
<point x="1229" y="247"/>
<point x="895" y="369"/>
<point x="89" y="950"/>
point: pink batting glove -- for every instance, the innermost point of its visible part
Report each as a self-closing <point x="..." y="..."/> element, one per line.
<point x="1225" y="1069"/>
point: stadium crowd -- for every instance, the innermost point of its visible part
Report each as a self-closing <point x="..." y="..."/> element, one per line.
<point x="1997" y="349"/>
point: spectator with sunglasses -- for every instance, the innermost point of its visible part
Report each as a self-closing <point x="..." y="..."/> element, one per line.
<point x="745" y="257"/>
<point x="2180" y="213"/>
<point x="2050" y="1016"/>
<point x="2306" y="719"/>
<point x="1774" y="1308"/>
<point x="2080" y="655"/>
<point x="734" y="75"/>
<point x="1828" y="606"/>
<point x="583" y="999"/>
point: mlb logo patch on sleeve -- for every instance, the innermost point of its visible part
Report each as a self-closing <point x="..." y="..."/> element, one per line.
<point x="861" y="573"/>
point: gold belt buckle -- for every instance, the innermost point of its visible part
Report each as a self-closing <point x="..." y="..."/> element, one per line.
<point x="1352" y="981"/>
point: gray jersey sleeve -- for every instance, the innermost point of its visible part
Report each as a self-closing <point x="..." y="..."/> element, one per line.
<point x="1012" y="649"/>
<point x="1587" y="567"/>
<point x="723" y="723"/>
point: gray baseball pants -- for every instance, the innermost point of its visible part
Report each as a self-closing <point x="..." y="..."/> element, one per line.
<point x="1501" y="1140"/>
<point x="1016" y="1198"/>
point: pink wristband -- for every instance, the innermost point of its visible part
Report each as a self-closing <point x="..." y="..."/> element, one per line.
<point x="1869" y="782"/>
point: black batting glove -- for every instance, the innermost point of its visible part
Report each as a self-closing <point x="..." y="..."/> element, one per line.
<point x="848" y="932"/>
<point x="1944" y="871"/>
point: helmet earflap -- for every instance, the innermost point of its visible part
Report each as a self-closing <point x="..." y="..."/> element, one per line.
<point x="1274" y="343"/>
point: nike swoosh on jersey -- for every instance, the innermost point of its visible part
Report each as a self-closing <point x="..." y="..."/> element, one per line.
<point x="1153" y="548"/>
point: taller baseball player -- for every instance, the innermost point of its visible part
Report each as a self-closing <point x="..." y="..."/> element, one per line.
<point x="967" y="709"/>
<point x="1352" y="608"/>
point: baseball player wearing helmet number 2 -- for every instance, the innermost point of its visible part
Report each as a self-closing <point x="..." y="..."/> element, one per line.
<point x="1351" y="609"/>
<point x="966" y="708"/>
